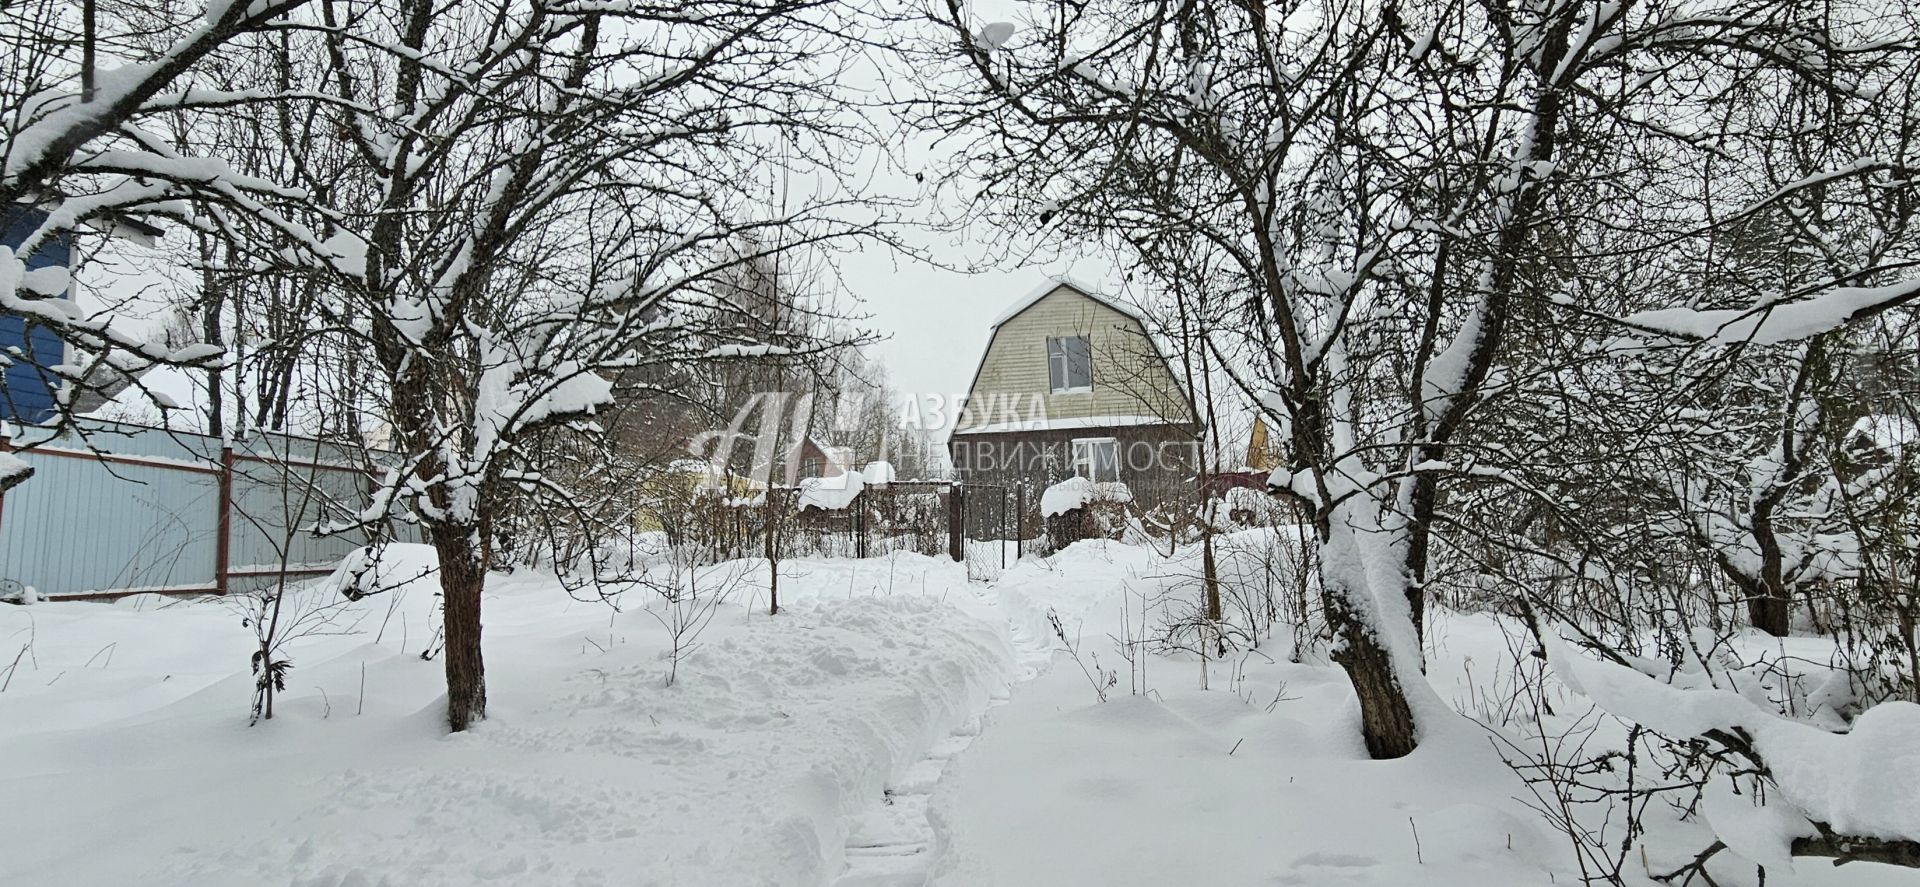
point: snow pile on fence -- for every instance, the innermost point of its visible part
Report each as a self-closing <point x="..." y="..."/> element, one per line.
<point x="831" y="493"/>
<point x="878" y="474"/>
<point x="1079" y="492"/>
<point x="12" y="471"/>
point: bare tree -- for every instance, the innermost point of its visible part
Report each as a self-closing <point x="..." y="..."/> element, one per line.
<point x="1401" y="203"/>
<point x="90" y="89"/>
<point x="537" y="197"/>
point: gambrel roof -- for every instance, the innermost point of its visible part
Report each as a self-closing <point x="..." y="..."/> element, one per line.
<point x="1111" y="418"/>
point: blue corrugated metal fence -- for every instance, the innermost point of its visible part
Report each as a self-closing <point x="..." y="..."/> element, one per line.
<point x="113" y="509"/>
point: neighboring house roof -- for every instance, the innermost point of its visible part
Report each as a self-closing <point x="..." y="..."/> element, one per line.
<point x="1046" y="289"/>
<point x="1262" y="454"/>
<point x="833" y="460"/>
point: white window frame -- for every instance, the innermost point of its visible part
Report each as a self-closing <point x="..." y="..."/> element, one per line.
<point x="1057" y="355"/>
<point x="1086" y="464"/>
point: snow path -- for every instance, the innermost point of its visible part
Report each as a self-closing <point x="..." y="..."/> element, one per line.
<point x="1060" y="789"/>
<point x="896" y="843"/>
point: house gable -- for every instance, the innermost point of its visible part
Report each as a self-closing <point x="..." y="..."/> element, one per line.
<point x="1132" y="383"/>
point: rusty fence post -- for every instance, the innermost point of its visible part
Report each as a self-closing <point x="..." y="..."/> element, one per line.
<point x="860" y="525"/>
<point x="222" y="544"/>
<point x="956" y="524"/>
<point x="1019" y="520"/>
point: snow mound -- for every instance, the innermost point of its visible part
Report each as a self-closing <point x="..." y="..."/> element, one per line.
<point x="376" y="569"/>
<point x="1866" y="782"/>
<point x="831" y="493"/>
<point x="1079" y="492"/>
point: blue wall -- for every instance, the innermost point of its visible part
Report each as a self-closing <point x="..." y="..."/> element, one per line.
<point x="29" y="393"/>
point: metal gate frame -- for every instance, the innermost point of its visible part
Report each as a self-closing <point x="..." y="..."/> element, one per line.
<point x="991" y="512"/>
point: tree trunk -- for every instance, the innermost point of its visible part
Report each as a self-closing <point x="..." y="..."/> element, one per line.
<point x="772" y="533"/>
<point x="212" y="302"/>
<point x="1386" y="721"/>
<point x="1210" y="573"/>
<point x="1769" y="606"/>
<point x="1769" y="609"/>
<point x="462" y="577"/>
<point x="1425" y="501"/>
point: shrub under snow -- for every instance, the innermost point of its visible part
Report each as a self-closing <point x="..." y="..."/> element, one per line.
<point x="1079" y="492"/>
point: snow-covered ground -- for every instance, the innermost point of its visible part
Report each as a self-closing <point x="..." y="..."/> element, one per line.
<point x="1159" y="788"/>
<point x="1254" y="773"/>
<point x="896" y="725"/>
<point x="129" y="759"/>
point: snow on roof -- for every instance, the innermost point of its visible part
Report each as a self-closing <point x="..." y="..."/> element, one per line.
<point x="1055" y="283"/>
<point x="1067" y="423"/>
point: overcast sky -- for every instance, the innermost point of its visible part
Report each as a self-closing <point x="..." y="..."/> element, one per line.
<point x="933" y="320"/>
<point x="936" y="319"/>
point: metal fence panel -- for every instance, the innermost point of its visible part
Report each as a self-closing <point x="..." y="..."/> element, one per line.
<point x="115" y="508"/>
<point x="82" y="525"/>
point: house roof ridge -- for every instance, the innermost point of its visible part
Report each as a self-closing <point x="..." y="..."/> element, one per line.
<point x="1054" y="282"/>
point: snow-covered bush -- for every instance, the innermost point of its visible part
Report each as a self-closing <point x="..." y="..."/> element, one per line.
<point x="1078" y="508"/>
<point x="1249" y="507"/>
<point x="628" y="553"/>
<point x="1764" y="750"/>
